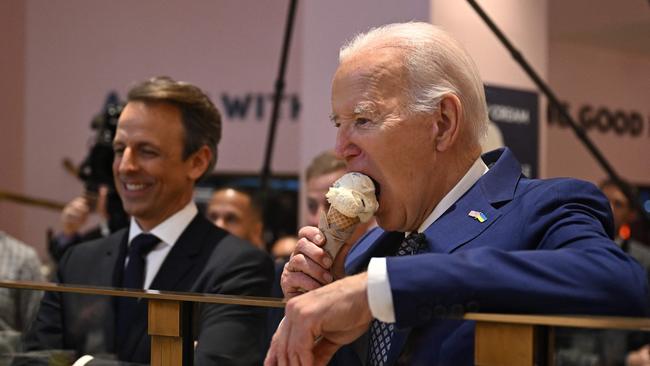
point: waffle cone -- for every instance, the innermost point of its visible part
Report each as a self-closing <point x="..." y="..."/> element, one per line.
<point x="339" y="221"/>
<point x="337" y="229"/>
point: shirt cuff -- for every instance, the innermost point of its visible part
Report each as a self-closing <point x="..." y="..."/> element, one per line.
<point x="380" y="297"/>
<point x="83" y="360"/>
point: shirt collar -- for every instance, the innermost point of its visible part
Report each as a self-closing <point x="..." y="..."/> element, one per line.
<point x="472" y="176"/>
<point x="171" y="229"/>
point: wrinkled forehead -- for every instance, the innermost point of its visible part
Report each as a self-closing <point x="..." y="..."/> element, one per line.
<point x="384" y="64"/>
<point x="364" y="79"/>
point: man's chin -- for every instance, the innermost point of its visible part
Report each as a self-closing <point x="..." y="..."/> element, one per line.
<point x="134" y="211"/>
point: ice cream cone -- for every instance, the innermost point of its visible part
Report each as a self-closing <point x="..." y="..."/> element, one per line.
<point x="337" y="228"/>
<point x="352" y="199"/>
<point x="340" y="221"/>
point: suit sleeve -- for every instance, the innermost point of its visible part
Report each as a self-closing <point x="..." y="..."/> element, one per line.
<point x="548" y="253"/>
<point x="231" y="334"/>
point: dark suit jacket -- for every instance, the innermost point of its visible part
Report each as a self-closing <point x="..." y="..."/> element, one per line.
<point x="205" y="259"/>
<point x="545" y="247"/>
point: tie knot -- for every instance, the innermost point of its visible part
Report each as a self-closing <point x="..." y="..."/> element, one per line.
<point x="414" y="243"/>
<point x="142" y="244"/>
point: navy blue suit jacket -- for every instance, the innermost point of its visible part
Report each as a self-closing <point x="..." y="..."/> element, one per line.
<point x="545" y="247"/>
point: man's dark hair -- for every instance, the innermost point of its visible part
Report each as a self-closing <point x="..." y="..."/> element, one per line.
<point x="201" y="119"/>
<point x="253" y="196"/>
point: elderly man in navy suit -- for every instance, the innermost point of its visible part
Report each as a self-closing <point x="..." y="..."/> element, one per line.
<point x="457" y="231"/>
<point x="166" y="140"/>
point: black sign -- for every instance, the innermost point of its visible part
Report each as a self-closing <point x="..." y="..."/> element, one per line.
<point x="515" y="113"/>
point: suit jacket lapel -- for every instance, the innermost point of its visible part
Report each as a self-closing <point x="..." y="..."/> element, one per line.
<point x="117" y="255"/>
<point x="181" y="258"/>
<point x="456" y="227"/>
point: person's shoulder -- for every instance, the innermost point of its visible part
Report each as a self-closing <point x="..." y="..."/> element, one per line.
<point x="94" y="246"/>
<point x="14" y="247"/>
<point x="232" y="255"/>
<point x="238" y="246"/>
<point x="553" y="198"/>
<point x="21" y="255"/>
<point x="559" y="187"/>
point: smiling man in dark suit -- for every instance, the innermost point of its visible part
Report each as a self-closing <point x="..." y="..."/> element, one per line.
<point x="166" y="140"/>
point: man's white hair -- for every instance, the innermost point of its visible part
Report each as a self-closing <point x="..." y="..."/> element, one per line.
<point x="437" y="65"/>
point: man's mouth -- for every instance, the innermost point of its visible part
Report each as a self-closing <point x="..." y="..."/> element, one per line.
<point x="135" y="187"/>
<point x="377" y="187"/>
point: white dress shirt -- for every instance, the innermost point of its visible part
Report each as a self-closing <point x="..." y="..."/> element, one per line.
<point x="380" y="297"/>
<point x="168" y="232"/>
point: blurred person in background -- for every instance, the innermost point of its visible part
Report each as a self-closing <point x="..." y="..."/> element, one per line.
<point x="282" y="249"/>
<point x="18" y="262"/>
<point x="624" y="214"/>
<point x="74" y="217"/>
<point x="239" y="212"/>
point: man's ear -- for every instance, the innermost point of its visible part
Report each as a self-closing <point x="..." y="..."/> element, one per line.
<point x="258" y="231"/>
<point x="199" y="162"/>
<point x="447" y="122"/>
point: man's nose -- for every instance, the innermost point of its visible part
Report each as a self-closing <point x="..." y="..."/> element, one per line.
<point x="219" y="222"/>
<point x="127" y="162"/>
<point x="344" y="148"/>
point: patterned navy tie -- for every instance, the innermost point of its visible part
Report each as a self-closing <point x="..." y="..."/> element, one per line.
<point x="380" y="332"/>
<point x="133" y="278"/>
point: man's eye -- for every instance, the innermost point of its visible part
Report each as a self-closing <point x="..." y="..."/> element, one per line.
<point x="312" y="206"/>
<point x="149" y="152"/>
<point x="361" y="121"/>
<point x="231" y="219"/>
<point x="118" y="150"/>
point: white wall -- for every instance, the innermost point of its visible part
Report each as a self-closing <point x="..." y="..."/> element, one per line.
<point x="584" y="75"/>
<point x="12" y="99"/>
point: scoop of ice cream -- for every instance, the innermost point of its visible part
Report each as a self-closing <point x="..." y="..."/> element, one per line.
<point x="354" y="196"/>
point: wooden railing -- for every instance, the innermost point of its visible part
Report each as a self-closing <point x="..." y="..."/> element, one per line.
<point x="500" y="339"/>
<point x="512" y="340"/>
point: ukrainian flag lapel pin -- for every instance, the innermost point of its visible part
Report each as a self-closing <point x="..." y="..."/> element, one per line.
<point x="478" y="215"/>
